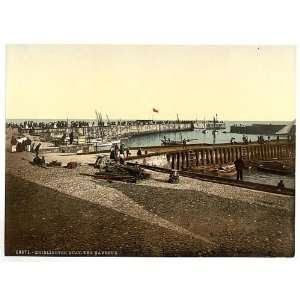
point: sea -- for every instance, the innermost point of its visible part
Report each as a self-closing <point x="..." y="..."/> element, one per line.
<point x="197" y="136"/>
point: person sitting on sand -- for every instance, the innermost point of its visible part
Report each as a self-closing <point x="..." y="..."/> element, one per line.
<point x="112" y="153"/>
<point x="39" y="161"/>
<point x="280" y="185"/>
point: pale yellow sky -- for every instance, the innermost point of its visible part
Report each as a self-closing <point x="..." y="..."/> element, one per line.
<point x="236" y="82"/>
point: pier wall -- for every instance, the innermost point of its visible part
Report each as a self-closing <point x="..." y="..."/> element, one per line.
<point x="218" y="155"/>
<point x="114" y="130"/>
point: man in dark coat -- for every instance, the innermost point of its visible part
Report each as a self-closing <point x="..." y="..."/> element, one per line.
<point x="239" y="165"/>
<point x="71" y="136"/>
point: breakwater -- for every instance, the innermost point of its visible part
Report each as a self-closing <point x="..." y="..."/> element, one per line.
<point x="259" y="129"/>
<point x="127" y="130"/>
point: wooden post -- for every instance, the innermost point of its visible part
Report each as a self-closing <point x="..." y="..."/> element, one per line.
<point x="206" y="156"/>
<point x="269" y="146"/>
<point x="266" y="151"/>
<point x="279" y="150"/>
<point x="211" y="153"/>
<point x="233" y="154"/>
<point x="249" y="151"/>
<point x="258" y="152"/>
<point x="178" y="161"/>
<point x="224" y="155"/>
<point x="173" y="161"/>
<point x="202" y="157"/>
<point x="187" y="160"/>
<point x="275" y="151"/>
<point x="230" y="154"/>
<point x="197" y="158"/>
<point x="182" y="160"/>
<point x="227" y="154"/>
<point x="217" y="155"/>
<point x="272" y="151"/>
<point x="221" y="160"/>
<point x="237" y="151"/>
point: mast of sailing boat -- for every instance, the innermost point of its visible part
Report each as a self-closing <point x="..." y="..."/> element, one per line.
<point x="179" y="129"/>
<point x="100" y="124"/>
<point x="102" y="129"/>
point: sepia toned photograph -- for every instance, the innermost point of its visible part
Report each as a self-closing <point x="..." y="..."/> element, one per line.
<point x="150" y="150"/>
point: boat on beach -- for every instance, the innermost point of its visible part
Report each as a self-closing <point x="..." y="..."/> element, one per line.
<point x="222" y="171"/>
<point x="273" y="166"/>
<point x="283" y="170"/>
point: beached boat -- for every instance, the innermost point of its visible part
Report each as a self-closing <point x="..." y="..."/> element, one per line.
<point x="227" y="173"/>
<point x="283" y="170"/>
<point x="273" y="166"/>
<point x="102" y="146"/>
<point x="223" y="171"/>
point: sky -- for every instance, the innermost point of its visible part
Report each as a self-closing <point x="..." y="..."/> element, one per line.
<point x="254" y="83"/>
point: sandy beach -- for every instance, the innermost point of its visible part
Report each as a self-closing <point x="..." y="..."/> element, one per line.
<point x="57" y="209"/>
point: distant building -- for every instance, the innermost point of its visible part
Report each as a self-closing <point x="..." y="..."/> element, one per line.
<point x="288" y="130"/>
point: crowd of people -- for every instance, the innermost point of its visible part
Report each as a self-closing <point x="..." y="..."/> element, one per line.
<point x="21" y="144"/>
<point x="119" y="153"/>
<point x="82" y="123"/>
<point x="246" y="141"/>
<point x="47" y="125"/>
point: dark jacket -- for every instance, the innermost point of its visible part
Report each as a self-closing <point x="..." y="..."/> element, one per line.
<point x="239" y="164"/>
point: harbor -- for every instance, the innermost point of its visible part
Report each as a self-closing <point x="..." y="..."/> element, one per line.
<point x="149" y="151"/>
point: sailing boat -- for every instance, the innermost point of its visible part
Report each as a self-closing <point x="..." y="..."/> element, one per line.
<point x="215" y="131"/>
<point x="204" y="130"/>
<point x="101" y="140"/>
<point x="167" y="142"/>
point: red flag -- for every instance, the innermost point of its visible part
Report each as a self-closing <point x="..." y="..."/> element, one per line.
<point x="155" y="110"/>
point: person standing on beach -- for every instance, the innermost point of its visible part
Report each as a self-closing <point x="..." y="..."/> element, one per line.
<point x="139" y="152"/>
<point x="13" y="143"/>
<point x="239" y="165"/>
<point x="37" y="149"/>
<point x="71" y="136"/>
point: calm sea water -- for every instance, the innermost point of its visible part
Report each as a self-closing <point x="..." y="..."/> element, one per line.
<point x="208" y="138"/>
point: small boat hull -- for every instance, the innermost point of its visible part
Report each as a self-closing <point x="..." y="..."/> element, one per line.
<point x="278" y="171"/>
